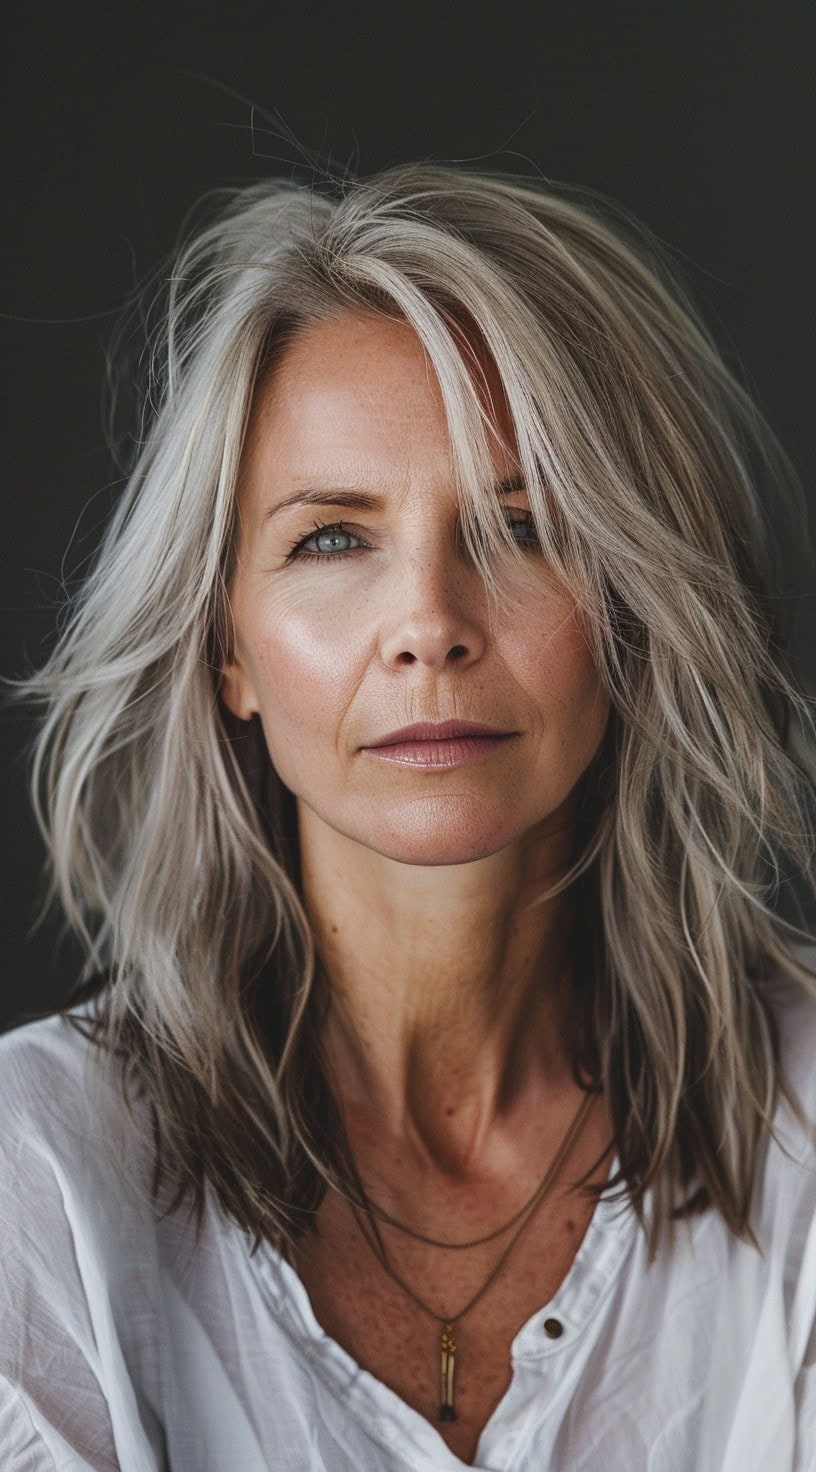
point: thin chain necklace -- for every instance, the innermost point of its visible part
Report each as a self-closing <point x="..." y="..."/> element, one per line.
<point x="363" y="1203"/>
<point x="448" y="1347"/>
<point x="371" y="1210"/>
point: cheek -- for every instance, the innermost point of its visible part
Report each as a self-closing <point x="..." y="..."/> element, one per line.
<point x="304" y="662"/>
<point x="560" y="675"/>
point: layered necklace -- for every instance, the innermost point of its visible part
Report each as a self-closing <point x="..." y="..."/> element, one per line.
<point x="520" y="1220"/>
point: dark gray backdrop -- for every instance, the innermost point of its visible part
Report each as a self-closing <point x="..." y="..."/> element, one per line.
<point x="697" y="117"/>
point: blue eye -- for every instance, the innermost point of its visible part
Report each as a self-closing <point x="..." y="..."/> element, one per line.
<point x="333" y="532"/>
<point x="527" y="525"/>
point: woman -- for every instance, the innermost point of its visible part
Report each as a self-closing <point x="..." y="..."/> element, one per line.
<point x="417" y="765"/>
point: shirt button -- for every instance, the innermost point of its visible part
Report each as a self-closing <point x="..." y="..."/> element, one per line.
<point x="553" y="1328"/>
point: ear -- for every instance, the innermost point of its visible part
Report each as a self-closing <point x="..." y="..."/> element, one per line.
<point x="237" y="691"/>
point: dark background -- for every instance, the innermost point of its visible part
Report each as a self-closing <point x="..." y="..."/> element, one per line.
<point x="697" y="118"/>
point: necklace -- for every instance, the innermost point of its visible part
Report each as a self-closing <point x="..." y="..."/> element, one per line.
<point x="448" y="1347"/>
<point x="383" y="1216"/>
<point x="364" y="1203"/>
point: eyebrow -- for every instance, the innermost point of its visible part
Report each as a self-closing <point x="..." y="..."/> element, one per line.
<point x="359" y="500"/>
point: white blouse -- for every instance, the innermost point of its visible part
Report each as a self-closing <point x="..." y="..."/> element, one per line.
<point x="123" y="1347"/>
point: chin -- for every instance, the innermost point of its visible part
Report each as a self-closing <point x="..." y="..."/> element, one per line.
<point x="436" y="840"/>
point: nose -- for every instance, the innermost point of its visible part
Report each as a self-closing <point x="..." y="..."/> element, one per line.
<point x="432" y="617"/>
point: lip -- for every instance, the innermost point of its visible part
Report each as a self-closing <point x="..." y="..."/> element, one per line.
<point x="436" y="731"/>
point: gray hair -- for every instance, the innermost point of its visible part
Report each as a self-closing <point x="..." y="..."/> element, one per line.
<point x="658" y="492"/>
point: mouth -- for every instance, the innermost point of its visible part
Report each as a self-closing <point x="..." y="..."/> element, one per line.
<point x="437" y="731"/>
<point x="434" y="753"/>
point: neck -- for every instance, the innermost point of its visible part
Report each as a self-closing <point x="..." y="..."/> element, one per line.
<point x="448" y="992"/>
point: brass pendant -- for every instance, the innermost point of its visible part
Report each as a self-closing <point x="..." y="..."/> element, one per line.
<point x="446" y="1407"/>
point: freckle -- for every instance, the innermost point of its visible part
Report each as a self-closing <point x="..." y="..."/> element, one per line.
<point x="334" y="930"/>
<point x="450" y="1110"/>
<point x="569" y="1226"/>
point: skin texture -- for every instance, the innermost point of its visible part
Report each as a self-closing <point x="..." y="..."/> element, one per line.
<point x="446" y="1034"/>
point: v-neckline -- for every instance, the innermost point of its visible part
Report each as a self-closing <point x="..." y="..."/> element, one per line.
<point x="390" y="1420"/>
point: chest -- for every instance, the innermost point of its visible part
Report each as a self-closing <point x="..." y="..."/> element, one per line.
<point x="395" y="1329"/>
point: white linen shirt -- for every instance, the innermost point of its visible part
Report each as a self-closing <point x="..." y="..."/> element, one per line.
<point x="122" y="1346"/>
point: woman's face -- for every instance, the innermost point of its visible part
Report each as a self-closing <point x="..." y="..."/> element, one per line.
<point x="334" y="651"/>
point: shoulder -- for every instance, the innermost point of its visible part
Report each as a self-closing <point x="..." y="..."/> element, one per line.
<point x="47" y="1073"/>
<point x="32" y="1054"/>
<point x="80" y="1292"/>
<point x="64" y="1118"/>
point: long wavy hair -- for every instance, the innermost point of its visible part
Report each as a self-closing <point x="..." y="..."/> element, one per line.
<point x="663" y="502"/>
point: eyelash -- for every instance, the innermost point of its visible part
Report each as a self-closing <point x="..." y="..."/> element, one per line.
<point x="297" y="552"/>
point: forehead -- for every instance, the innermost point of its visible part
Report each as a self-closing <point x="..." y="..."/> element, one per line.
<point x="359" y="384"/>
